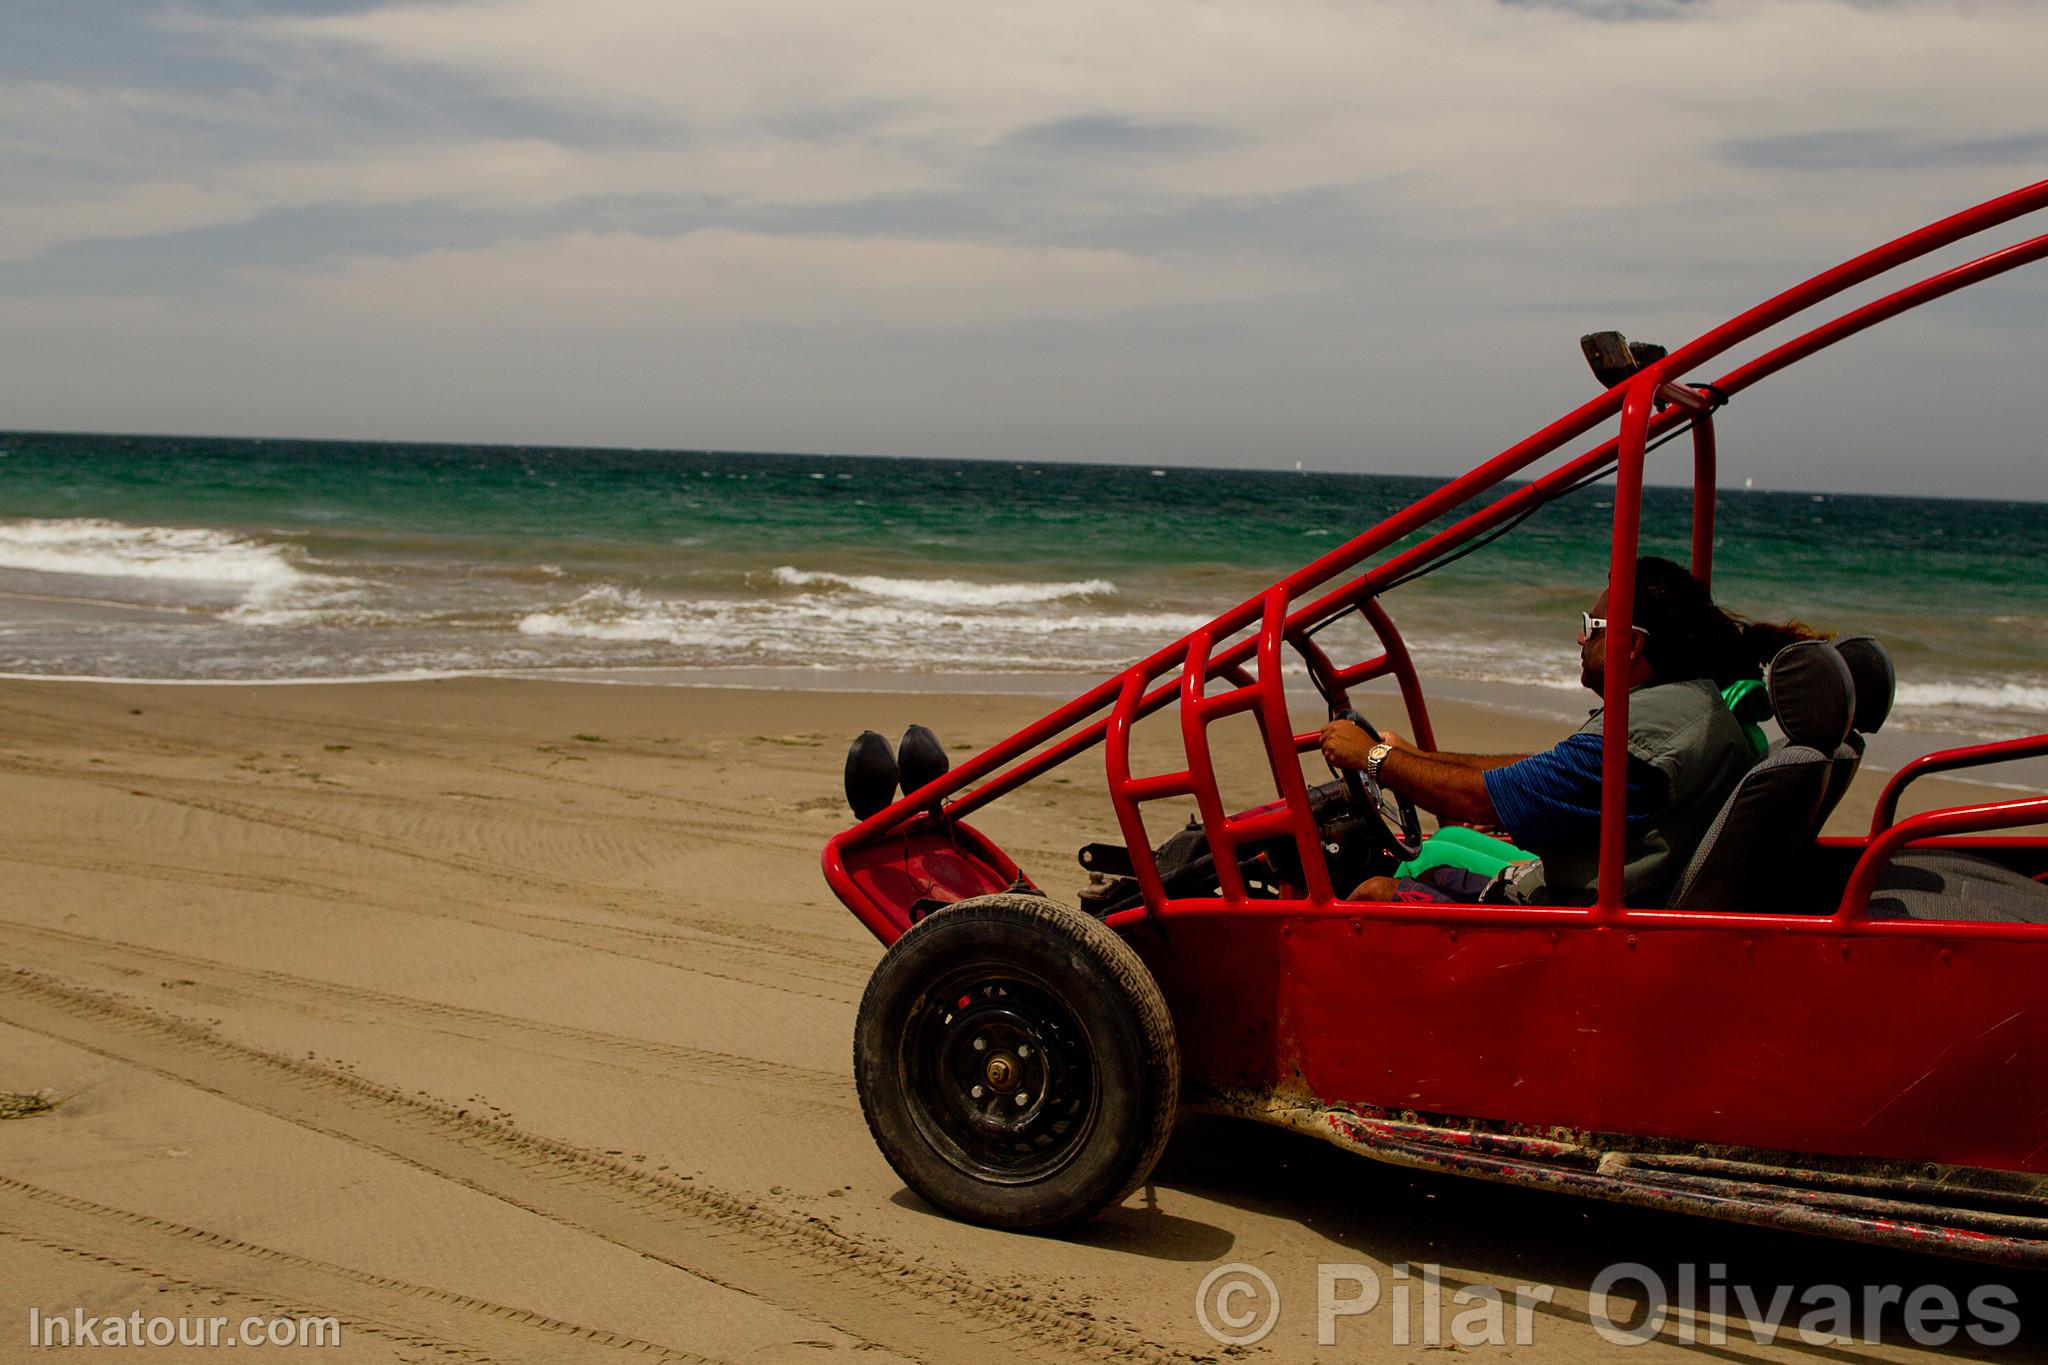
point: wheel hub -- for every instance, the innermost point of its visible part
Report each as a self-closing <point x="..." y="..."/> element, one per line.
<point x="999" y="1058"/>
<point x="1012" y="1082"/>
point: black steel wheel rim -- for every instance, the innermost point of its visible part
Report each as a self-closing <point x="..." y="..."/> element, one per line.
<point x="999" y="1074"/>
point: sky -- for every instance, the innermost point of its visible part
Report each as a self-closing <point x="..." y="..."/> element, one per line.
<point x="1362" y="236"/>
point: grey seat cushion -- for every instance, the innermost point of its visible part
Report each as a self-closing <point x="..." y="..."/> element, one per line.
<point x="1767" y="824"/>
<point x="1765" y="827"/>
<point x="1870" y="669"/>
<point x="1940" y="884"/>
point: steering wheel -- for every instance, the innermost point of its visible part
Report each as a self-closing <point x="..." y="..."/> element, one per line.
<point x="1400" y="821"/>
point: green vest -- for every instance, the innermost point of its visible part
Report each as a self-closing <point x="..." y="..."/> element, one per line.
<point x="1684" y="731"/>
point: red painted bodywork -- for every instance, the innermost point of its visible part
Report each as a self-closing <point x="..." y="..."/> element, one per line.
<point x="1795" y="1027"/>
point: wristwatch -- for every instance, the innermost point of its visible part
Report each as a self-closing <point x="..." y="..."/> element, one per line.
<point x="1375" y="756"/>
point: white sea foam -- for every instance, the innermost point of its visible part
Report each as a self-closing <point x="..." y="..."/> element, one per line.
<point x="108" y="549"/>
<point x="625" y="614"/>
<point x="1982" y="696"/>
<point x="1163" y="624"/>
<point x="946" y="592"/>
<point x="827" y="627"/>
<point x="330" y="609"/>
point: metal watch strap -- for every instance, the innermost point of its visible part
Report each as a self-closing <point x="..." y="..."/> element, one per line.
<point x="1375" y="756"/>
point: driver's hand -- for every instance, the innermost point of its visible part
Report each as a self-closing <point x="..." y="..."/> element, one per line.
<point x="1393" y="737"/>
<point x="1345" y="744"/>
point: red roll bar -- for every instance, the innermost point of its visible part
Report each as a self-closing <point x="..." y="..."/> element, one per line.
<point x="1653" y="402"/>
<point x="1969" y="756"/>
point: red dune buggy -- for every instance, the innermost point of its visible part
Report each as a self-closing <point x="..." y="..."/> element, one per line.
<point x="1860" y="1049"/>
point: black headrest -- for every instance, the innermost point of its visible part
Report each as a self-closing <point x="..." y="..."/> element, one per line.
<point x="870" y="774"/>
<point x="921" y="757"/>
<point x="1870" y="668"/>
<point x="1812" y="693"/>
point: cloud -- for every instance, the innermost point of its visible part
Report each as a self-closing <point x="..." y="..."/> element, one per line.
<point x="1896" y="149"/>
<point x="1471" y="107"/>
<point x="504" y="175"/>
<point x="1620" y="10"/>
<point x="1335" y="211"/>
<point x="151" y="208"/>
<point x="1474" y="119"/>
<point x="1114" y="136"/>
<point x="718" y="278"/>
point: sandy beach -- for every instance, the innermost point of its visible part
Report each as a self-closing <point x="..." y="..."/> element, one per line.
<point x="510" y="1021"/>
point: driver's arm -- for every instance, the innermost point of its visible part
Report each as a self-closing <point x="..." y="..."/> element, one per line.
<point x="1453" y="792"/>
<point x="1477" y="762"/>
<point x="1345" y="744"/>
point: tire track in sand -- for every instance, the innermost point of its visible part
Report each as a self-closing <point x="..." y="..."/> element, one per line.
<point x="684" y="952"/>
<point x="866" y="1289"/>
<point x="290" y="992"/>
<point x="285" y="1284"/>
<point x="203" y="795"/>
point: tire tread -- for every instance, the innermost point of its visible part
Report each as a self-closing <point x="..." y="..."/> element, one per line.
<point x="1116" y="960"/>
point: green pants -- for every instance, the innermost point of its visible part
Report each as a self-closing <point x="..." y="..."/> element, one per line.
<point x="1456" y="846"/>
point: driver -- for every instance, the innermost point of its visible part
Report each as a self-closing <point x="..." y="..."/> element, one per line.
<point x="1685" y="754"/>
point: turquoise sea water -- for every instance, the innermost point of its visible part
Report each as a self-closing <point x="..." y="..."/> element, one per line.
<point x="206" y="558"/>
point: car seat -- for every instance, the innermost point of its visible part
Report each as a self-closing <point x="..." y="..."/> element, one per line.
<point x="1766" y="826"/>
<point x="1876" y="681"/>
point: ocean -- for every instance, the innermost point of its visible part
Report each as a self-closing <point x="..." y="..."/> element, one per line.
<point x="211" y="559"/>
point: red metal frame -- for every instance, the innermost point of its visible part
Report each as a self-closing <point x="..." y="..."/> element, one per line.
<point x="1970" y="756"/>
<point x="1792" y="1029"/>
<point x="1650" y="404"/>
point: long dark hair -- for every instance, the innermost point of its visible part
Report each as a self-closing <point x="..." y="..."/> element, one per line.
<point x="1690" y="637"/>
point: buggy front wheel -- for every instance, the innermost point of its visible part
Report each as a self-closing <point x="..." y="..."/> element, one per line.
<point x="1016" y="1063"/>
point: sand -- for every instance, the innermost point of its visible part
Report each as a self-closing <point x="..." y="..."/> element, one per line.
<point x="511" y="1021"/>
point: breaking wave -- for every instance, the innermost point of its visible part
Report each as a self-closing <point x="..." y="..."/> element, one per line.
<point x="946" y="592"/>
<point x="625" y="614"/>
<point x="1976" y="696"/>
<point x="95" y="548"/>
<point x="829" y="629"/>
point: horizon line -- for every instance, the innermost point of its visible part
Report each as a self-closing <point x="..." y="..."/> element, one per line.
<point x="1299" y="467"/>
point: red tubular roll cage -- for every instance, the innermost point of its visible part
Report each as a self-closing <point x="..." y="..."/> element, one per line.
<point x="1651" y="403"/>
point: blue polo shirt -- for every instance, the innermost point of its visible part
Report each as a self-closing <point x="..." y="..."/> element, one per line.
<point x="1553" y="798"/>
<point x="1685" y="754"/>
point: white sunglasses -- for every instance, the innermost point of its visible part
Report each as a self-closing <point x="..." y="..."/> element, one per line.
<point x="1588" y="623"/>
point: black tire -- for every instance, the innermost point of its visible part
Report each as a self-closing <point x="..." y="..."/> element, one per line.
<point x="1046" y="1012"/>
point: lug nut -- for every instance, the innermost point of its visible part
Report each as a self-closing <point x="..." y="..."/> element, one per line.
<point x="977" y="1092"/>
<point x="1022" y="1099"/>
<point x="981" y="1044"/>
<point x="1023" y="1049"/>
